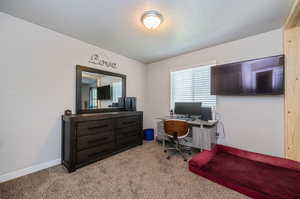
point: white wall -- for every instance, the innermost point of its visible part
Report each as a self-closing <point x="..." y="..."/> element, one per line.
<point x="38" y="83"/>
<point x="251" y="123"/>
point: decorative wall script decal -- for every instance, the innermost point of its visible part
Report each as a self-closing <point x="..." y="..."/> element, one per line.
<point x="102" y="60"/>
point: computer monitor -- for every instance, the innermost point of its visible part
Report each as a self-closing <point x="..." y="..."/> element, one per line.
<point x="187" y="108"/>
<point x="206" y="113"/>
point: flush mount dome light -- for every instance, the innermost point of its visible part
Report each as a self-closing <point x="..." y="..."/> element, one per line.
<point x="152" y="19"/>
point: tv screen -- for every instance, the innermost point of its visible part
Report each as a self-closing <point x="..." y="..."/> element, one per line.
<point x="104" y="93"/>
<point x="263" y="76"/>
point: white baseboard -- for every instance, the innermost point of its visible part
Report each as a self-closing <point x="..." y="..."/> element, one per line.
<point x="28" y="170"/>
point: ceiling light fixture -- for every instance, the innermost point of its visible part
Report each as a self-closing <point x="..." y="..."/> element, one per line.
<point x="152" y="19"/>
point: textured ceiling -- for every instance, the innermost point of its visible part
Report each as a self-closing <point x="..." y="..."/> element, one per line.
<point x="188" y="24"/>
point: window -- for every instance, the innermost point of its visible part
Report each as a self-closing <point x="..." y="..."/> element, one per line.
<point x="93" y="98"/>
<point x="117" y="91"/>
<point x="192" y="85"/>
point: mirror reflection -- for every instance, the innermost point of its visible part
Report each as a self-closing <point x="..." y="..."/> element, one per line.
<point x="100" y="91"/>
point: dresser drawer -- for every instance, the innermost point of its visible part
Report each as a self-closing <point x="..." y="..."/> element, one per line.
<point x="127" y="121"/>
<point x="129" y="141"/>
<point x="94" y="127"/>
<point x="127" y="132"/>
<point x="94" y="153"/>
<point x="85" y="142"/>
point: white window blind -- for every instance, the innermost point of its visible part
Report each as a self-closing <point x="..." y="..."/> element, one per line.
<point x="117" y="91"/>
<point x="192" y="85"/>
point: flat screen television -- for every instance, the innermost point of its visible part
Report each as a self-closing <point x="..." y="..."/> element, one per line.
<point x="104" y="92"/>
<point x="263" y="76"/>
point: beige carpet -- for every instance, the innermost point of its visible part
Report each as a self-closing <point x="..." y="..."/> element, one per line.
<point x="141" y="172"/>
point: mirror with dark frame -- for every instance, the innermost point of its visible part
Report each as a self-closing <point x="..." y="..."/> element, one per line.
<point x="98" y="91"/>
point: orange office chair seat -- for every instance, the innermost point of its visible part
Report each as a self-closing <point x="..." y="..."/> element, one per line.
<point x="176" y="130"/>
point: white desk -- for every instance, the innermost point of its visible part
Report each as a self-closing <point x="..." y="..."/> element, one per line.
<point x="197" y="122"/>
<point x="203" y="133"/>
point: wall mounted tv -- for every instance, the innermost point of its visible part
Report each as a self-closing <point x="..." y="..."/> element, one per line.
<point x="263" y="76"/>
<point x="104" y="92"/>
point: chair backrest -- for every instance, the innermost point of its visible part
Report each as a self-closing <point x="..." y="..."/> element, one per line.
<point x="176" y="128"/>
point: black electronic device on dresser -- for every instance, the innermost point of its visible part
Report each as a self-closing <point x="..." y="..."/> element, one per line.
<point x="99" y="130"/>
<point x="127" y="103"/>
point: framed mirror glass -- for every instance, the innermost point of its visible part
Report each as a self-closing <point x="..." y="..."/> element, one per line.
<point x="98" y="91"/>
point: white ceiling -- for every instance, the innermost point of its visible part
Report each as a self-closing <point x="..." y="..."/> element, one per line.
<point x="188" y="24"/>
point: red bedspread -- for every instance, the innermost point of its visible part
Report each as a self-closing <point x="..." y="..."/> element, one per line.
<point x="256" y="175"/>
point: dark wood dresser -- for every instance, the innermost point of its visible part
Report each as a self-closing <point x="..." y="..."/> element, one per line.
<point x="87" y="138"/>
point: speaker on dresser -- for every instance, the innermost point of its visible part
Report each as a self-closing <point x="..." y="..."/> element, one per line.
<point x="127" y="103"/>
<point x="121" y="102"/>
<point x="130" y="103"/>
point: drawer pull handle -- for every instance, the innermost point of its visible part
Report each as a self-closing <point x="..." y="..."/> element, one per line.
<point x="131" y="122"/>
<point x="97" y="153"/>
<point x="97" y="127"/>
<point x="97" y="140"/>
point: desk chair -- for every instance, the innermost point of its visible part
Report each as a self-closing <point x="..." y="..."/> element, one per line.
<point x="176" y="130"/>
